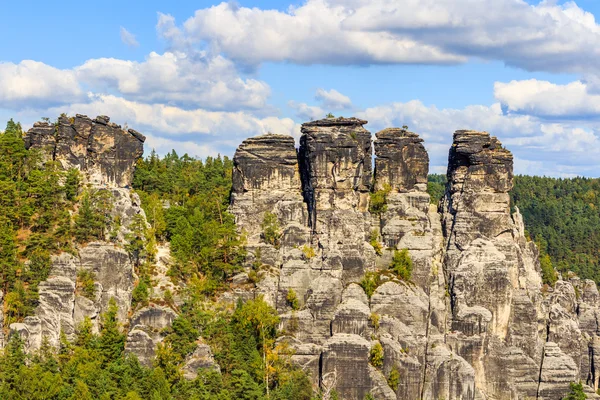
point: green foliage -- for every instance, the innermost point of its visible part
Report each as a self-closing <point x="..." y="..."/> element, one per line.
<point x="549" y="274"/>
<point x="376" y="355"/>
<point x="394" y="378"/>
<point x="185" y="201"/>
<point x="141" y="292"/>
<point x="378" y="203"/>
<point x="402" y="264"/>
<point x="271" y="230"/>
<point x="36" y="197"/>
<point x="369" y="396"/>
<point x="370" y="282"/>
<point x="436" y="187"/>
<point x="85" y="283"/>
<point x="374" y="241"/>
<point x="292" y="299"/>
<point x="140" y="240"/>
<point x="576" y="392"/>
<point x="330" y="115"/>
<point x="93" y="218"/>
<point x="308" y="252"/>
<point x="563" y="217"/>
<point x="375" y="318"/>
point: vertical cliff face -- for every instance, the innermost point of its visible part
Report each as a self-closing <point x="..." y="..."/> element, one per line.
<point x="472" y="321"/>
<point x="106" y="156"/>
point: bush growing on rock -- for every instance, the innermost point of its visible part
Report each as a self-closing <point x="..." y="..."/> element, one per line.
<point x="271" y="230"/>
<point x="292" y="299"/>
<point x="394" y="378"/>
<point x="378" y="204"/>
<point x="576" y="392"/>
<point x="308" y="252"/>
<point x="85" y="283"/>
<point x="402" y="264"/>
<point x="376" y="355"/>
<point x="373" y="241"/>
<point x="370" y="282"/>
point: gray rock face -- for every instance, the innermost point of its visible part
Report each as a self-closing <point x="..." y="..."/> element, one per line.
<point x="402" y="161"/>
<point x="106" y="155"/>
<point x="105" y="152"/>
<point x="473" y="322"/>
<point x="146" y="326"/>
<point x="62" y="307"/>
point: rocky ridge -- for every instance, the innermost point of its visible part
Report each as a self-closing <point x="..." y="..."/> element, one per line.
<point x="474" y="321"/>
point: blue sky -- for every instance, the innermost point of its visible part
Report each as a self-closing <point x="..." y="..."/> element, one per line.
<point x="201" y="76"/>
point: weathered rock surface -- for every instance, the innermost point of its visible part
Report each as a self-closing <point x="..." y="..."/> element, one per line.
<point x="105" y="152"/>
<point x="473" y="322"/>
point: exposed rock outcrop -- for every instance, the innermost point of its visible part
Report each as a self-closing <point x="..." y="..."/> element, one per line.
<point x="106" y="156"/>
<point x="102" y="149"/>
<point x="473" y="322"/>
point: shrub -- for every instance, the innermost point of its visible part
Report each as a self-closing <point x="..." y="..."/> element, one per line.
<point x="141" y="292"/>
<point x="375" y="320"/>
<point x="549" y="274"/>
<point x="85" y="283"/>
<point x="378" y="204"/>
<point x="369" y="283"/>
<point x="376" y="355"/>
<point x="394" y="378"/>
<point x="271" y="231"/>
<point x="373" y="236"/>
<point x="576" y="392"/>
<point x="402" y="264"/>
<point x="292" y="299"/>
<point x="308" y="252"/>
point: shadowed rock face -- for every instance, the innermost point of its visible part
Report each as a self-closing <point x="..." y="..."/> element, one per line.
<point x="106" y="153"/>
<point x="472" y="323"/>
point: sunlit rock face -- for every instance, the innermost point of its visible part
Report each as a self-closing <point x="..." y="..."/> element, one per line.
<point x="472" y="322"/>
<point x="106" y="156"/>
<point x="104" y="151"/>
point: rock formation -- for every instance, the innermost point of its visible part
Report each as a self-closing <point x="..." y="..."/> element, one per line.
<point x="474" y="321"/>
<point x="106" y="156"/>
<point x="101" y="149"/>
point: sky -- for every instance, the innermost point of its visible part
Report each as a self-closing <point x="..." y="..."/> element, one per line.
<point x="200" y="76"/>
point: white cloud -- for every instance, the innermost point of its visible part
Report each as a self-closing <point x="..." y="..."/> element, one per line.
<point x="128" y="38"/>
<point x="188" y="79"/>
<point x="547" y="36"/>
<point x="306" y="112"/>
<point x="177" y="78"/>
<point x="311" y="33"/>
<point x="552" y="148"/>
<point x="175" y="121"/>
<point x="31" y="83"/>
<point x="333" y="99"/>
<point x="547" y="99"/>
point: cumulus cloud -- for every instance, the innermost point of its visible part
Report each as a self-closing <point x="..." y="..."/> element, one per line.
<point x="547" y="36"/>
<point x="333" y="99"/>
<point x="128" y="38"/>
<point x="306" y="112"/>
<point x="35" y="84"/>
<point x="188" y="79"/>
<point x="572" y="147"/>
<point x="547" y="99"/>
<point x="311" y="33"/>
